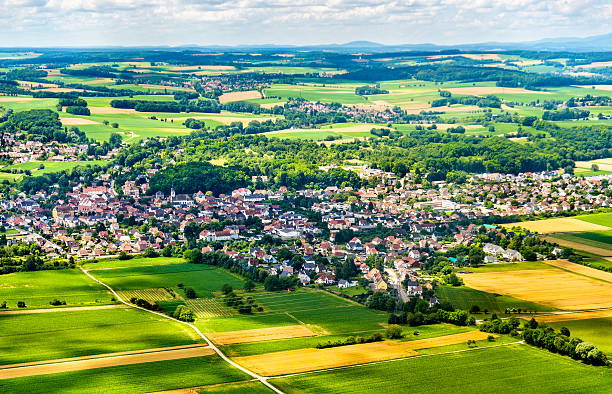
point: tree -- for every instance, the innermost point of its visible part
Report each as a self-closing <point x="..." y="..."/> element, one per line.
<point x="183" y="313"/>
<point x="190" y="292"/>
<point x="394" y="331"/>
<point x="226" y="288"/>
<point x="249" y="285"/>
<point x="565" y="331"/>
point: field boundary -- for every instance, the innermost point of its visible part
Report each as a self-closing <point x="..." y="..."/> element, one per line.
<point x="210" y="344"/>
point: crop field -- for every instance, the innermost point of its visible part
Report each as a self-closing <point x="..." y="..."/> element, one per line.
<point x="581" y="269"/>
<point x="410" y="333"/>
<point x="208" y="307"/>
<point x="301" y="360"/>
<point x="553" y="287"/>
<point x="48" y="336"/>
<point x="168" y="375"/>
<point x="260" y="334"/>
<point x="558" y="225"/>
<point x="597" y="331"/>
<point x="251" y="387"/>
<point x="38" y="289"/>
<point x="202" y="278"/>
<point x="579" y="242"/>
<point x="481" y="370"/>
<point x="135" y="262"/>
<point x="562" y="317"/>
<point x="464" y="298"/>
<point x="239" y="96"/>
<point x="150" y="295"/>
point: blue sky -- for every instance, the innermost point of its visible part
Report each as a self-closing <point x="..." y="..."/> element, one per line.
<point x="295" y="22"/>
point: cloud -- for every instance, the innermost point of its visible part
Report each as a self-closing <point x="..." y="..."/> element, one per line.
<point x="150" y="22"/>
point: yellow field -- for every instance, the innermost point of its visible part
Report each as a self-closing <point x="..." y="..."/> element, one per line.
<point x="574" y="316"/>
<point x="239" y="96"/>
<point x="76" y="121"/>
<point x="483" y="90"/>
<point x="558" y="225"/>
<point x="581" y="269"/>
<point x="578" y="246"/>
<point x="302" y="360"/>
<point x="552" y="287"/>
<point x="260" y="334"/>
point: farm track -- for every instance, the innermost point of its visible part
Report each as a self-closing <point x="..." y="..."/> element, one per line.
<point x="69" y="309"/>
<point x="262" y="379"/>
<point x="103" y="361"/>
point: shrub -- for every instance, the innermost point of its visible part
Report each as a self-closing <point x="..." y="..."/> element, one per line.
<point x="394" y="331"/>
<point x="183" y="313"/>
<point x="190" y="292"/>
<point x="21" y="304"/>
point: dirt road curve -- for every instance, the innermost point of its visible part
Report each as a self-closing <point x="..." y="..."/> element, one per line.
<point x="101" y="362"/>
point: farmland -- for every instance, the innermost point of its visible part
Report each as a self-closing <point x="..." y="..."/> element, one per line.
<point x="174" y="374"/>
<point x="38" y="289"/>
<point x="477" y="370"/>
<point x="47" y="336"/>
<point x="550" y="287"/>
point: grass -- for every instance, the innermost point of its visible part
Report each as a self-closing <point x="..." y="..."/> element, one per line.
<point x="135" y="262"/>
<point x="597" y="331"/>
<point x="463" y="297"/>
<point x="248" y="349"/>
<point x="38" y="289"/>
<point x="600" y="240"/>
<point x="498" y="267"/>
<point x="240" y="387"/>
<point x="52" y="166"/>
<point x="47" y="336"/>
<point x="603" y="219"/>
<point x="510" y="368"/>
<point x="202" y="278"/>
<point x="137" y="378"/>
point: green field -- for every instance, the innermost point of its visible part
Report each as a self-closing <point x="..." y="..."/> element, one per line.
<point x="513" y="368"/>
<point x="137" y="378"/>
<point x="241" y="387"/>
<point x="52" y="166"/>
<point x="38" y="289"/>
<point x="597" y="331"/>
<point x="463" y="297"/>
<point x="594" y="239"/>
<point x="202" y="278"/>
<point x="333" y="314"/>
<point x="135" y="262"/>
<point x="603" y="219"/>
<point x="54" y="335"/>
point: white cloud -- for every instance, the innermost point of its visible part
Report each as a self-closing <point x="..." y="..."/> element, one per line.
<point x="110" y="22"/>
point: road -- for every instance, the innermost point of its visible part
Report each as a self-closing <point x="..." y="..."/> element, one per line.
<point x="397" y="285"/>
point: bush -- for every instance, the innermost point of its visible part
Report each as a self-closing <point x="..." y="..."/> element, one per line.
<point x="124" y="256"/>
<point x="57" y="302"/>
<point x="78" y="110"/>
<point x="226" y="289"/>
<point x="183" y="313"/>
<point x="394" y="331"/>
<point x="190" y="292"/>
<point x="21" y="304"/>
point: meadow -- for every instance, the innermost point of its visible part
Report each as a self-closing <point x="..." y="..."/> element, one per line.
<point x="517" y="368"/>
<point x="137" y="378"/>
<point x="463" y="297"/>
<point x="137" y="261"/>
<point x="597" y="331"/>
<point x="48" y="336"/>
<point x="45" y="167"/>
<point x="38" y="289"/>
<point x="203" y="279"/>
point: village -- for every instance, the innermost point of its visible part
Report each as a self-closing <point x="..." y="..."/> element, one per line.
<point x="387" y="231"/>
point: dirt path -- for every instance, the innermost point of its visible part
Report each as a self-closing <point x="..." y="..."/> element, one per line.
<point x="103" y="362"/>
<point x="262" y="379"/>
<point x="70" y="309"/>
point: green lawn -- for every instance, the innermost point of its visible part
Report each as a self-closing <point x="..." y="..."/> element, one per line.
<point x="54" y="335"/>
<point x="135" y="262"/>
<point x="597" y="331"/>
<point x="241" y="387"/>
<point x="502" y="267"/>
<point x="38" y="289"/>
<point x="463" y="297"/>
<point x="137" y="378"/>
<point x="514" y="368"/>
<point x="202" y="278"/>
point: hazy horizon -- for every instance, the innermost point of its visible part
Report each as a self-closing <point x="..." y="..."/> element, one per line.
<point x="86" y="23"/>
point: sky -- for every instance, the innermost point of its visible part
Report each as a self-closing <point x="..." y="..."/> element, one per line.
<point x="295" y="22"/>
